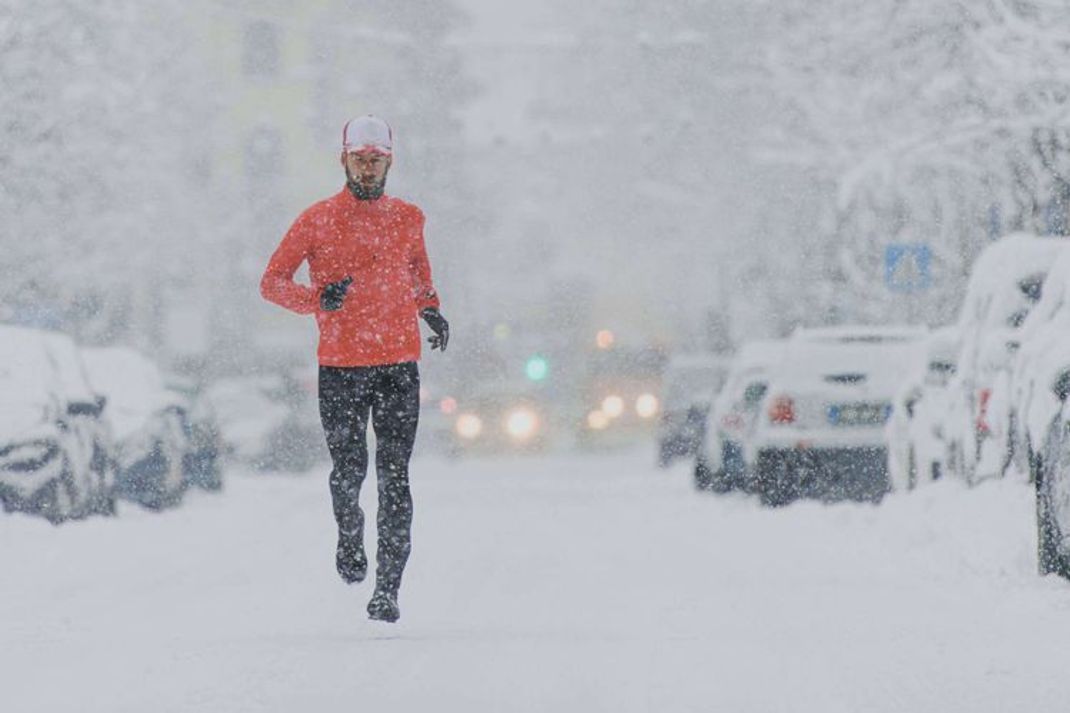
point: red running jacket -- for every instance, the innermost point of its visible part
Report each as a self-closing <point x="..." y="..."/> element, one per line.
<point x="380" y="244"/>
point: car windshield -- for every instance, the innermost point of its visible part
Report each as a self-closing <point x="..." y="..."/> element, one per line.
<point x="26" y="374"/>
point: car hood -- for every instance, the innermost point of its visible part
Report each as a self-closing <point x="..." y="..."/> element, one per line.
<point x="25" y="421"/>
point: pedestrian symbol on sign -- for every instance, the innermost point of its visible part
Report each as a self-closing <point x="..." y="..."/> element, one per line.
<point x="907" y="267"/>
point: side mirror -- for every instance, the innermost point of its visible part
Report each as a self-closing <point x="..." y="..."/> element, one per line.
<point x="1061" y="387"/>
<point x="86" y="408"/>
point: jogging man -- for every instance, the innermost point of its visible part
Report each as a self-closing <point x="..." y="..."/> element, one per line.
<point x="370" y="278"/>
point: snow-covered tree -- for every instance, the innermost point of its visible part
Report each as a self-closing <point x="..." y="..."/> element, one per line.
<point x="101" y="157"/>
<point x="935" y="123"/>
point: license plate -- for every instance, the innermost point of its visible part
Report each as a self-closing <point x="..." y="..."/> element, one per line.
<point x="859" y="414"/>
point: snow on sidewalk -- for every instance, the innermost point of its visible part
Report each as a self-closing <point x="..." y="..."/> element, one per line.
<point x="559" y="584"/>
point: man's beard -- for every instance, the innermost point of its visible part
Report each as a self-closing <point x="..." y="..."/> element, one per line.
<point x="362" y="191"/>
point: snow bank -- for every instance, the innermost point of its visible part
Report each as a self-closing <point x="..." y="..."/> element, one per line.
<point x="568" y="584"/>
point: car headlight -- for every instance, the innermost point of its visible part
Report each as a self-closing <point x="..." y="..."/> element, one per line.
<point x="597" y="420"/>
<point x="613" y="406"/>
<point x="469" y="426"/>
<point x="522" y="424"/>
<point x="646" y="406"/>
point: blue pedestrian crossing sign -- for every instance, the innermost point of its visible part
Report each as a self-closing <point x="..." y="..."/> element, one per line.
<point x="907" y="267"/>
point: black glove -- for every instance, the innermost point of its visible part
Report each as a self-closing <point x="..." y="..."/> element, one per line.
<point x="439" y="326"/>
<point x="334" y="294"/>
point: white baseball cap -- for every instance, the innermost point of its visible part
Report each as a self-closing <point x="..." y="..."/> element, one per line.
<point x="368" y="133"/>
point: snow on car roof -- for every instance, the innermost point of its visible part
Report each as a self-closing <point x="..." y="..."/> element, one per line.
<point x="1017" y="254"/>
<point x="71" y="371"/>
<point x="759" y="353"/>
<point x="26" y="372"/>
<point x="132" y="384"/>
<point x="859" y="334"/>
<point x="753" y="361"/>
<point x="35" y="362"/>
<point x="994" y="290"/>
<point x="687" y="360"/>
<point x="884" y="353"/>
<point x="1054" y="297"/>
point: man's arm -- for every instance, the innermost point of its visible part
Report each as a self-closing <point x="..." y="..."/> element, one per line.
<point x="277" y="285"/>
<point x="420" y="267"/>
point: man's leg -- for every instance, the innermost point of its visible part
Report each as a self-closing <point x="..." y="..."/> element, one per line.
<point x="395" y="414"/>
<point x="345" y="399"/>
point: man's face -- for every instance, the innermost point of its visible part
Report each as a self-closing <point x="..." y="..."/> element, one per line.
<point x="367" y="168"/>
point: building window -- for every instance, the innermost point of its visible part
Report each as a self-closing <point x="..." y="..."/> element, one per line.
<point x="262" y="54"/>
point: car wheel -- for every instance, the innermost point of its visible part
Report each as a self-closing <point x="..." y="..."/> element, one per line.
<point x="103" y="501"/>
<point x="157" y="481"/>
<point x="58" y="501"/>
<point x="703" y="476"/>
<point x="773" y="486"/>
<point x="1032" y="459"/>
<point x="176" y="474"/>
<point x="961" y="468"/>
<point x="201" y="468"/>
<point x="1047" y="536"/>
<point x="720" y="482"/>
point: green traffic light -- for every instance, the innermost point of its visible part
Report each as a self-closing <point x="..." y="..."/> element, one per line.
<point x="536" y="368"/>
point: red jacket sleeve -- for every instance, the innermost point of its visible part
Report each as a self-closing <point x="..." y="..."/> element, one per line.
<point x="420" y="267"/>
<point x="277" y="285"/>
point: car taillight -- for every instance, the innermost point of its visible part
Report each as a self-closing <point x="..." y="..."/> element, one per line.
<point x="982" y="411"/>
<point x="732" y="422"/>
<point x="782" y="410"/>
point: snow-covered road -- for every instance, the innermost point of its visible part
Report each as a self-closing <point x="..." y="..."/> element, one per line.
<point x="560" y="584"/>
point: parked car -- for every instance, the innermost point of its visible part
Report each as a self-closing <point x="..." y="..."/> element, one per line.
<point x="204" y="442"/>
<point x="54" y="445"/>
<point x="1005" y="284"/>
<point x="821" y="429"/>
<point x="269" y="421"/>
<point x="689" y="384"/>
<point x="1040" y="415"/>
<point x="917" y="444"/>
<point x="719" y="463"/>
<point x="148" y="422"/>
<point x="1040" y="359"/>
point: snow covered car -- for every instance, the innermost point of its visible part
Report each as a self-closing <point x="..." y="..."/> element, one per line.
<point x="201" y="461"/>
<point x="270" y="422"/>
<point x="53" y="443"/>
<point x="915" y="432"/>
<point x="1005" y="284"/>
<point x="719" y="463"/>
<point x="689" y="385"/>
<point x="148" y="422"/>
<point x="1040" y="361"/>
<point x="821" y="430"/>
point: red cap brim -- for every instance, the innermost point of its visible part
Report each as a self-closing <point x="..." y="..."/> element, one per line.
<point x="368" y="148"/>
